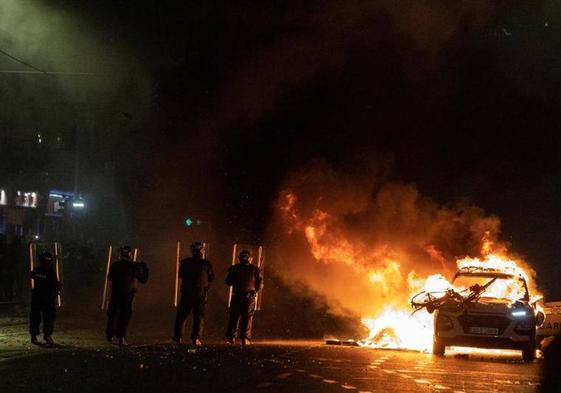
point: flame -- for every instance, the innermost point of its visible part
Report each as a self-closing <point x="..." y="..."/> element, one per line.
<point x="386" y="269"/>
<point x="397" y="329"/>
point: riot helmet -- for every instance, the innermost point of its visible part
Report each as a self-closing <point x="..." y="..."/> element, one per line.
<point x="46" y="258"/>
<point x="125" y="252"/>
<point x="245" y="256"/>
<point x="197" y="248"/>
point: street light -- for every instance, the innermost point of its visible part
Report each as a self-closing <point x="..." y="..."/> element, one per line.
<point x="78" y="204"/>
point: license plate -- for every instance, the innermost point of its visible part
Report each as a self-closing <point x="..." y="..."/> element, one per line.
<point x="484" y="330"/>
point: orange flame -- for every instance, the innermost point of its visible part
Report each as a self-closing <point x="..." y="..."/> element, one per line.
<point x="394" y="326"/>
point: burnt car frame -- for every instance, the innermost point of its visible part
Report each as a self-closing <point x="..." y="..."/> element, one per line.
<point x="483" y="321"/>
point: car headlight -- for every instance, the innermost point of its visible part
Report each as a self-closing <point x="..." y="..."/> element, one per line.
<point x="519" y="313"/>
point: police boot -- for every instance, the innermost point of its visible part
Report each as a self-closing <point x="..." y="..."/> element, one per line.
<point x="231" y="341"/>
<point x="48" y="340"/>
<point x="34" y="339"/>
<point x="245" y="342"/>
<point x="197" y="343"/>
<point x="177" y="340"/>
<point x="123" y="342"/>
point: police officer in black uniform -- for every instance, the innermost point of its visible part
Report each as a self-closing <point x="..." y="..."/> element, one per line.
<point x="123" y="274"/>
<point x="246" y="280"/>
<point x="46" y="287"/>
<point x="196" y="274"/>
<point x="551" y="379"/>
<point x="3" y="261"/>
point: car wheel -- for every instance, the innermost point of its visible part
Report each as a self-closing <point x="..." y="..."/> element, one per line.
<point x="438" y="347"/>
<point x="529" y="350"/>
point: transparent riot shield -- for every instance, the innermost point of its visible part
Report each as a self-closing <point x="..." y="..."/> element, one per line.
<point x="177" y="261"/>
<point x="104" y="297"/>
<point x="104" y="302"/>
<point x="135" y="253"/>
<point x="35" y="249"/>
<point x="177" y="257"/>
<point x="258" y="254"/>
<point x="261" y="264"/>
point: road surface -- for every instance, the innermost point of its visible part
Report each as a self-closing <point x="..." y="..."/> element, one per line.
<point x="84" y="363"/>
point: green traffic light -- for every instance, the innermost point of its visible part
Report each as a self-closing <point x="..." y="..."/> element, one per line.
<point x="188" y="222"/>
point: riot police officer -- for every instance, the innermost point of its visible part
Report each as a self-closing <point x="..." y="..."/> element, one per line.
<point x="123" y="274"/>
<point x="246" y="280"/>
<point x="551" y="379"/>
<point x="196" y="274"/>
<point x="46" y="287"/>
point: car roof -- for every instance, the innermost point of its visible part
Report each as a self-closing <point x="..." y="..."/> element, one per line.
<point x="486" y="273"/>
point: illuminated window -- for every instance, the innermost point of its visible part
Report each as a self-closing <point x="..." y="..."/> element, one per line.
<point x="26" y="199"/>
<point x="58" y="202"/>
<point x="3" y="199"/>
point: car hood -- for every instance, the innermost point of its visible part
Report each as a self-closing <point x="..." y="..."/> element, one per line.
<point x="489" y="306"/>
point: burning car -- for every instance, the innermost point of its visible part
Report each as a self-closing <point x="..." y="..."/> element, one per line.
<point x="485" y="308"/>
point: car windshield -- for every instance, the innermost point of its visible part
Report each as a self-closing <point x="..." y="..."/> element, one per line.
<point x="503" y="286"/>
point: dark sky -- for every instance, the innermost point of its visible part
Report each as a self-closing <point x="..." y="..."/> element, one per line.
<point x="464" y="98"/>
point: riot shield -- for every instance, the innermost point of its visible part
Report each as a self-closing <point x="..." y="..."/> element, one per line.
<point x="35" y="249"/>
<point x="104" y="297"/>
<point x="258" y="253"/>
<point x="177" y="256"/>
<point x="104" y="302"/>
<point x="135" y="254"/>
<point x="177" y="261"/>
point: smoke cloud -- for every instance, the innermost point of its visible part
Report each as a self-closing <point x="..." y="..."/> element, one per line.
<point x="363" y="242"/>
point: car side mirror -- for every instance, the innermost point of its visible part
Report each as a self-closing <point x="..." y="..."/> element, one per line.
<point x="540" y="318"/>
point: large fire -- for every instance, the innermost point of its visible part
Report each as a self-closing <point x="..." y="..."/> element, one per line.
<point x="397" y="327"/>
<point x="394" y="325"/>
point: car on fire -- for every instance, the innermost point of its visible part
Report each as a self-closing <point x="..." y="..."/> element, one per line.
<point x="486" y="309"/>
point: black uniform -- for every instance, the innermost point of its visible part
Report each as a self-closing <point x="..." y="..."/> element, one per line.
<point x="123" y="275"/>
<point x="246" y="280"/>
<point x="43" y="299"/>
<point x="551" y="380"/>
<point x="3" y="261"/>
<point x="196" y="274"/>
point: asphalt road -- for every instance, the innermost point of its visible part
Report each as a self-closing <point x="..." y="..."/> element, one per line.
<point x="93" y="366"/>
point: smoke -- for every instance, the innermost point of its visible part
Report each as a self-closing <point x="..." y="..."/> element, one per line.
<point x="324" y="42"/>
<point x="55" y="39"/>
<point x="362" y="242"/>
<point x="306" y="48"/>
<point x="59" y="71"/>
<point x="80" y="88"/>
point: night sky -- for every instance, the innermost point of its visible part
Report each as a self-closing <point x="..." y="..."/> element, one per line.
<point x="462" y="100"/>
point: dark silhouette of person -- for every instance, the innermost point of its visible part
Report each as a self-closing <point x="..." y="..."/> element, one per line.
<point x="551" y="382"/>
<point x="246" y="280"/>
<point x="3" y="260"/>
<point x="196" y="274"/>
<point x="46" y="287"/>
<point x="123" y="274"/>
